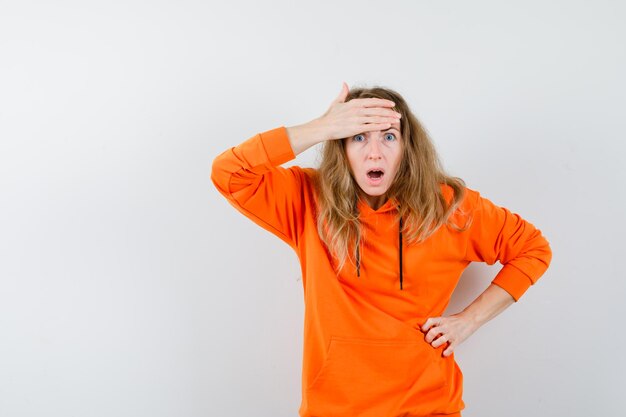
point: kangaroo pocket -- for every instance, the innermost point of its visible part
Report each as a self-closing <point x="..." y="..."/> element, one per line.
<point x="372" y="376"/>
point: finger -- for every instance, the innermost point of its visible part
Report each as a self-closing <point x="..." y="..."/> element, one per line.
<point x="372" y="102"/>
<point x="373" y="127"/>
<point x="379" y="111"/>
<point x="442" y="340"/>
<point x="430" y="322"/>
<point x="377" y="119"/>
<point x="433" y="333"/>
<point x="426" y="325"/>
<point x="448" y="351"/>
<point x="343" y="94"/>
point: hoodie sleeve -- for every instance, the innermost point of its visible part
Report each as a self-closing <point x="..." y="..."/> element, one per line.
<point x="497" y="234"/>
<point x="250" y="178"/>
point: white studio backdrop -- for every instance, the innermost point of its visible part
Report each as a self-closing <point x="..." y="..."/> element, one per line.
<point x="129" y="286"/>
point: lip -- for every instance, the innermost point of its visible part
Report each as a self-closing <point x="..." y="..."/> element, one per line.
<point x="374" y="181"/>
<point x="375" y="169"/>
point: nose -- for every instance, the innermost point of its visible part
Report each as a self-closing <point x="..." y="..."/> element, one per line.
<point x="373" y="151"/>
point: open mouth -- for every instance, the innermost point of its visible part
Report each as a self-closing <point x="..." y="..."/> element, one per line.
<point x="375" y="175"/>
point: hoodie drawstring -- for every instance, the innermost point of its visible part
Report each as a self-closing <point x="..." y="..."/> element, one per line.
<point x="358" y="256"/>
<point x="400" y="250"/>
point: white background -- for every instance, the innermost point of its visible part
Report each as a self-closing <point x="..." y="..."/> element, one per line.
<point x="129" y="286"/>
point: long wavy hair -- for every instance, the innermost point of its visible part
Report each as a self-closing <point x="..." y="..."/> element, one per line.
<point x="416" y="187"/>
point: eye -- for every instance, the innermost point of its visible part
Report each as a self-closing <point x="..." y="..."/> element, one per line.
<point x="393" y="137"/>
<point x="355" y="138"/>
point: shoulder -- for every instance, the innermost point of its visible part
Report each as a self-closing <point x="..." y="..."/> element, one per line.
<point x="470" y="196"/>
<point x="309" y="176"/>
<point x="463" y="213"/>
<point x="310" y="173"/>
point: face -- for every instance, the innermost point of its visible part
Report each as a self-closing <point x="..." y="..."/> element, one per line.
<point x="374" y="158"/>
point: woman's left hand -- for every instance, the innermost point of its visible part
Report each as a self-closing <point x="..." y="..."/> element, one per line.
<point x="452" y="330"/>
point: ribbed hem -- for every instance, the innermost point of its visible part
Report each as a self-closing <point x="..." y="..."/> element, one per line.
<point x="277" y="145"/>
<point x="512" y="280"/>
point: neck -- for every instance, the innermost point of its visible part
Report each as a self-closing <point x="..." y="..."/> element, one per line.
<point x="375" y="202"/>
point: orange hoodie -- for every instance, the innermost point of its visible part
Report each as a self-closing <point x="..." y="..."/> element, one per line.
<point x="363" y="353"/>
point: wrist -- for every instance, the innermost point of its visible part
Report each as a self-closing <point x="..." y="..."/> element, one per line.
<point x="472" y="318"/>
<point x="305" y="135"/>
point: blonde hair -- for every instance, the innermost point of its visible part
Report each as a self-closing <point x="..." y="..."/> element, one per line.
<point x="416" y="187"/>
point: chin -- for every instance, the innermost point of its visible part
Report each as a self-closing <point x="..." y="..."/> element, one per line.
<point x="376" y="192"/>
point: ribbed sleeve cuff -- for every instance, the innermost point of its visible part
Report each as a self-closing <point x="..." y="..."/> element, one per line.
<point x="513" y="281"/>
<point x="277" y="145"/>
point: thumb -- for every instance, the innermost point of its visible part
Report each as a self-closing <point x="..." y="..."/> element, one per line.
<point x="343" y="94"/>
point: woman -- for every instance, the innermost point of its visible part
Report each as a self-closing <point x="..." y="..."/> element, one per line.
<point x="383" y="236"/>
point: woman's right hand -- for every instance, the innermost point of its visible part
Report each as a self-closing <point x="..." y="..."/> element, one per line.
<point x="343" y="120"/>
<point x="360" y="115"/>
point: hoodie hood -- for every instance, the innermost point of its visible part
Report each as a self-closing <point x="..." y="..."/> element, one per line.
<point x="364" y="209"/>
<point x="366" y="213"/>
